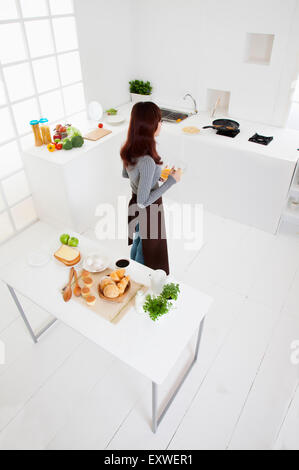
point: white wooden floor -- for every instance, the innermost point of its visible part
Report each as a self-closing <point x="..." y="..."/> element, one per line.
<point x="66" y="393"/>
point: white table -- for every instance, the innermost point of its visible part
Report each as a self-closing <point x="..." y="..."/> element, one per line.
<point x="151" y="348"/>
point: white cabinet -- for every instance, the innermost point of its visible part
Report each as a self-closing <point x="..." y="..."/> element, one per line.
<point x="67" y="192"/>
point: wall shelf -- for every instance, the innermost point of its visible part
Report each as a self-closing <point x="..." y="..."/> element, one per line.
<point x="259" y="48"/>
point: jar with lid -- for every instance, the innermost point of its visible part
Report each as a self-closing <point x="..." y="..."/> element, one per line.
<point x="45" y="130"/>
<point x="37" y="133"/>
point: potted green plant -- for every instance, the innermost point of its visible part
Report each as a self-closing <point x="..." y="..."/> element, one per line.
<point x="158" y="306"/>
<point x="140" y="90"/>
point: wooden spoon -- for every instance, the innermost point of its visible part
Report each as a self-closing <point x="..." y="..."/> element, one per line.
<point x="77" y="289"/>
<point x="67" y="295"/>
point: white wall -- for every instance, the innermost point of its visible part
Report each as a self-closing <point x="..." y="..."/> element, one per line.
<point x="200" y="44"/>
<point x="106" y="47"/>
<point x="190" y="46"/>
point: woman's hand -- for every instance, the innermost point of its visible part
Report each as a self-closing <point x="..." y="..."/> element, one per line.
<point x="177" y="174"/>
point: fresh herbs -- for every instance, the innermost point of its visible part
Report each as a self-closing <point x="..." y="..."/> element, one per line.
<point x="156" y="306"/>
<point x="171" y="291"/>
<point x="111" y="112"/>
<point x="140" y="88"/>
<point x="160" y="305"/>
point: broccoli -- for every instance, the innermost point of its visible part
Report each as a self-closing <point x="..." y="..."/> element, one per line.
<point x="77" y="141"/>
<point x="67" y="145"/>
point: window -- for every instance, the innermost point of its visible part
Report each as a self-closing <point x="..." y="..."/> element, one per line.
<point x="38" y="42"/>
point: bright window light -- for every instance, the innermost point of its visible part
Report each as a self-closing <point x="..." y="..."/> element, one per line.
<point x="2" y="94"/>
<point x="23" y="214"/>
<point x="52" y="106"/>
<point x="39" y="37"/>
<point x="33" y="8"/>
<point x="16" y="188"/>
<point x="12" y="76"/>
<point x="11" y="43"/>
<point x="65" y="34"/>
<point x="8" y="10"/>
<point x="74" y="98"/>
<point x="46" y="74"/>
<point x="61" y="7"/>
<point x="6" y="229"/>
<point x="10" y="159"/>
<point x="70" y="68"/>
<point x="24" y="113"/>
<point x="7" y="130"/>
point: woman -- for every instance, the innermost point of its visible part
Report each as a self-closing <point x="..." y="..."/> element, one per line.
<point x="142" y="165"/>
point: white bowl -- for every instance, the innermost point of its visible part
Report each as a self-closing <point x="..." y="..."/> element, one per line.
<point x="95" y="263"/>
<point x="117" y="119"/>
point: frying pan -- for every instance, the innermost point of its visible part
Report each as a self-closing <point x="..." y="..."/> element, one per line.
<point x="224" y="125"/>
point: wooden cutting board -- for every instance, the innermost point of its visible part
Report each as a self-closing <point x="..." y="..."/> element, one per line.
<point x="97" y="134"/>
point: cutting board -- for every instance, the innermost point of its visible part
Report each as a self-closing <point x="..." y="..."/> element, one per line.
<point x="97" y="134"/>
<point x="113" y="312"/>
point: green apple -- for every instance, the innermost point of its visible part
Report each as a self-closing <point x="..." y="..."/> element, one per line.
<point x="73" y="242"/>
<point x="65" y="239"/>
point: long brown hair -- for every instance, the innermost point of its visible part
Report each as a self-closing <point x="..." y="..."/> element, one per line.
<point x="145" y="118"/>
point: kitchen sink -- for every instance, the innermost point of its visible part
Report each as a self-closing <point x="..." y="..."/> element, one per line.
<point x="170" y="115"/>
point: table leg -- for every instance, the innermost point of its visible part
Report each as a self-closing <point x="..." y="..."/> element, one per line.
<point x="34" y="336"/>
<point x="155" y="419"/>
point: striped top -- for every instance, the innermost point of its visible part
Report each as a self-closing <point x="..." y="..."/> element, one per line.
<point x="144" y="178"/>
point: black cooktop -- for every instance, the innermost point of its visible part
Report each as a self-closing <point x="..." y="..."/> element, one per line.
<point x="229" y="133"/>
<point x="261" y="139"/>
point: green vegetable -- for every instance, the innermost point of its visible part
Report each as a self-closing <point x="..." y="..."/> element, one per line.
<point x="171" y="291"/>
<point x="73" y="242"/>
<point x="57" y="140"/>
<point x="156" y="306"/>
<point x="67" y="145"/>
<point x="65" y="238"/>
<point x="112" y="111"/>
<point x="77" y="141"/>
<point x="72" y="131"/>
<point x="159" y="306"/>
<point x="140" y="88"/>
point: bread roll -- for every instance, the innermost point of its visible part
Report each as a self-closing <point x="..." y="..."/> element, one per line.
<point x="114" y="275"/>
<point x="121" y="273"/>
<point x="122" y="285"/>
<point x="111" y="291"/>
<point x="106" y="282"/>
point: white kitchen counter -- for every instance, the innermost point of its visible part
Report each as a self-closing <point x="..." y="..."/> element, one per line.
<point x="234" y="178"/>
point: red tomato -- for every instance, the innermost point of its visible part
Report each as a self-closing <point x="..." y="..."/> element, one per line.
<point x="62" y="129"/>
<point x="58" y="146"/>
<point x="101" y="126"/>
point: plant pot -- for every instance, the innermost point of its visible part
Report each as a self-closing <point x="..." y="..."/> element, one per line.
<point x="140" y="98"/>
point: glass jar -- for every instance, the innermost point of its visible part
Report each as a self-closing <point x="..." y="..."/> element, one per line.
<point x="37" y="134"/>
<point x="45" y="130"/>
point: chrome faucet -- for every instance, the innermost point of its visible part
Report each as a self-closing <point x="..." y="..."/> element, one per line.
<point x="194" y="102"/>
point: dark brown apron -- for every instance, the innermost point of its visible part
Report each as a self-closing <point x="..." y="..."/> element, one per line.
<point x="152" y="229"/>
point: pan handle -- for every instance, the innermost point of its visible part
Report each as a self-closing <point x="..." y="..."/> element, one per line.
<point x="209" y="127"/>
